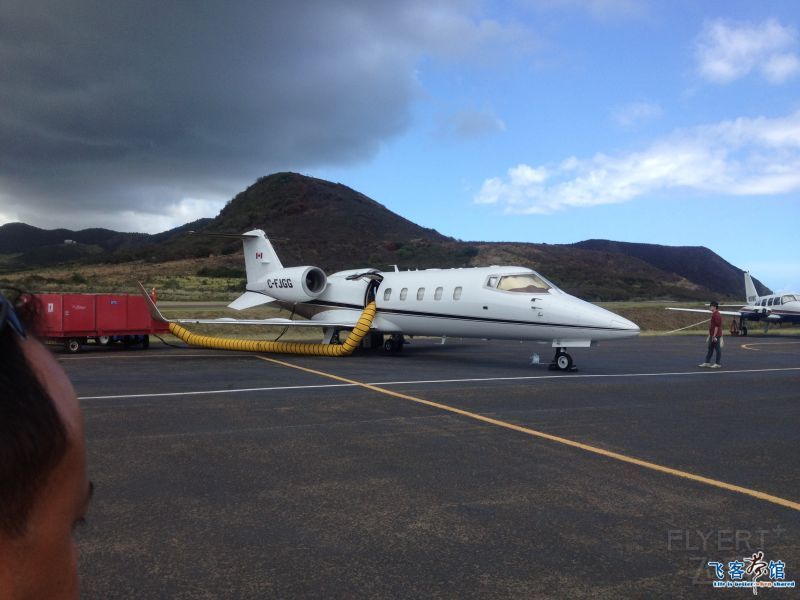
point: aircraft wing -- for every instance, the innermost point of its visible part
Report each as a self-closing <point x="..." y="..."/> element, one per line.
<point x="727" y="313"/>
<point x="278" y="322"/>
<point x="319" y="320"/>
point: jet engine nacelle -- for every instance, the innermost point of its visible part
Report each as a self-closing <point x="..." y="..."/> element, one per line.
<point x="296" y="284"/>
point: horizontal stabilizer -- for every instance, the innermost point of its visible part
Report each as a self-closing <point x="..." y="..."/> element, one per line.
<point x="249" y="300"/>
<point x="229" y="236"/>
<point x="727" y="313"/>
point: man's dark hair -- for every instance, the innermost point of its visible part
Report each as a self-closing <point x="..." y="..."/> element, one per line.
<point x="33" y="438"/>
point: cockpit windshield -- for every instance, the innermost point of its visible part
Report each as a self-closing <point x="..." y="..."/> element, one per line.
<point x="526" y="283"/>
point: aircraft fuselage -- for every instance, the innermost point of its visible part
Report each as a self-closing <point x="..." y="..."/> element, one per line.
<point x="481" y="302"/>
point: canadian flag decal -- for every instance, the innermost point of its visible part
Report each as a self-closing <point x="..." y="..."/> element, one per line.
<point x="259" y="255"/>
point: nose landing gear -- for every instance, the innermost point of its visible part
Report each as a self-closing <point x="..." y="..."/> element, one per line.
<point x="562" y="361"/>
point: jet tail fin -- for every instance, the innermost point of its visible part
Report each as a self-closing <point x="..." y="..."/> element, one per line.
<point x="749" y="289"/>
<point x="260" y="257"/>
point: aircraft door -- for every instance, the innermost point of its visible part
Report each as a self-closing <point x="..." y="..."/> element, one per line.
<point x="373" y="284"/>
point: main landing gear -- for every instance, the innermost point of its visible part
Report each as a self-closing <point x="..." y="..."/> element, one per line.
<point x="562" y="361"/>
<point x="394" y="344"/>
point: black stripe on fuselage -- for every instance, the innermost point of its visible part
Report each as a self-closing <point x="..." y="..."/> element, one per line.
<point x="414" y="313"/>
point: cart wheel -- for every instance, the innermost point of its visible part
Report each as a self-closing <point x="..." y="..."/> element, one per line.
<point x="73" y="345"/>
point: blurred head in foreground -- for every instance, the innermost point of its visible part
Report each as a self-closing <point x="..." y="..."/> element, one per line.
<point x="44" y="490"/>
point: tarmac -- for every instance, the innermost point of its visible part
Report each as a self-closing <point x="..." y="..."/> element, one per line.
<point x="456" y="470"/>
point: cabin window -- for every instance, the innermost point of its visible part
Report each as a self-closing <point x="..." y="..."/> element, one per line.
<point x="403" y="293"/>
<point x="770" y="301"/>
<point x="788" y="298"/>
<point x="437" y="295"/>
<point x="387" y="294"/>
<point x="528" y="283"/>
<point x="420" y="293"/>
<point x="457" y="293"/>
<point x="764" y="302"/>
<point x="492" y="281"/>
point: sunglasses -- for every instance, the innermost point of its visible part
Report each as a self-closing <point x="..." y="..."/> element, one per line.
<point x="9" y="316"/>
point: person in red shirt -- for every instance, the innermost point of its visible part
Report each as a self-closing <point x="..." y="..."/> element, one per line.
<point x="714" y="338"/>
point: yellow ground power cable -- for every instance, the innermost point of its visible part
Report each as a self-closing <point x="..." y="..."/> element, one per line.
<point x="345" y="349"/>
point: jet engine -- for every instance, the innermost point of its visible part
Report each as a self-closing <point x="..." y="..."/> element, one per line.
<point x="295" y="284"/>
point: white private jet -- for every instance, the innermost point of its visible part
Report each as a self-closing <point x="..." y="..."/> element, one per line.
<point x="772" y="308"/>
<point x="512" y="303"/>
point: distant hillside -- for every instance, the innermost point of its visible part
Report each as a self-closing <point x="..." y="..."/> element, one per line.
<point x="695" y="263"/>
<point x="18" y="238"/>
<point x="317" y="222"/>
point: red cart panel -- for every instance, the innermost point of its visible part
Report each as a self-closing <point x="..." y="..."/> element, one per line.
<point x="138" y="314"/>
<point x="52" y="312"/>
<point x="112" y="312"/>
<point x="79" y="313"/>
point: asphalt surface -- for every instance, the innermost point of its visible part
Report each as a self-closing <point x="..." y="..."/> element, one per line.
<point x="225" y="475"/>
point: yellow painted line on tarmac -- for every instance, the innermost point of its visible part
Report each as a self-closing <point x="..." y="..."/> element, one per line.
<point x="750" y="346"/>
<point x="553" y="438"/>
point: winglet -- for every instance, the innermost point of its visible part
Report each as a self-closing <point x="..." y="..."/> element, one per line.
<point x="151" y="306"/>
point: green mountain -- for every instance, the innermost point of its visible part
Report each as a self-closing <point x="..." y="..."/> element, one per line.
<point x="317" y="222"/>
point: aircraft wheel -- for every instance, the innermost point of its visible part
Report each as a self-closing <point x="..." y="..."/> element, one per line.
<point x="394" y="344"/>
<point x="564" y="361"/>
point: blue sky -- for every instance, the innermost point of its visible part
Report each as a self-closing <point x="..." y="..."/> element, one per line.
<point x="527" y="120"/>
<point x="625" y="80"/>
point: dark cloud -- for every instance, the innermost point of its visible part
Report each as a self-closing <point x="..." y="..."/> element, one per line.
<point x="108" y="107"/>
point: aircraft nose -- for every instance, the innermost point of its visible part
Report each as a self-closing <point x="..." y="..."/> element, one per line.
<point x="621" y="326"/>
<point x="623" y="323"/>
<point x="609" y="325"/>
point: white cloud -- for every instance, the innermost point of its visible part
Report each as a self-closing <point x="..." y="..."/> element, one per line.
<point x="635" y="113"/>
<point x="744" y="157"/>
<point x="726" y="52"/>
